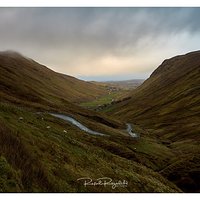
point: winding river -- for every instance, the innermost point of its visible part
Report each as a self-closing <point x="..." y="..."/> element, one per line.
<point x="76" y="123"/>
<point x="129" y="130"/>
<point x="84" y="128"/>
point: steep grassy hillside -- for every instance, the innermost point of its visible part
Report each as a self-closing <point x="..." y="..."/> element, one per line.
<point x="23" y="78"/>
<point x="169" y="98"/>
<point x="167" y="105"/>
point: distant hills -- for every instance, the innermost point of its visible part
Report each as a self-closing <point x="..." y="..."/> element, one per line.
<point x="126" y="84"/>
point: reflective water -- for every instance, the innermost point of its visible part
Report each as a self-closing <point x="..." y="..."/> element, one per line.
<point x="129" y="130"/>
<point x="84" y="128"/>
<point x="76" y="123"/>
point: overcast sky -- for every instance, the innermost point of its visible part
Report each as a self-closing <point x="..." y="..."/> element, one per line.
<point x="100" y="43"/>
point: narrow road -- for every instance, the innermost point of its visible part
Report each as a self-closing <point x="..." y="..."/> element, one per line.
<point x="84" y="128"/>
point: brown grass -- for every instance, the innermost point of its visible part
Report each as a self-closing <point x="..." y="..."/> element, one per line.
<point x="21" y="158"/>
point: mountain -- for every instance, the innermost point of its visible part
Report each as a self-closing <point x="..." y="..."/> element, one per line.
<point x="23" y="78"/>
<point x="41" y="153"/>
<point x="169" y="98"/>
<point x="167" y="106"/>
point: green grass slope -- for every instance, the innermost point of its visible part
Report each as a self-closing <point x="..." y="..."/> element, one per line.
<point x="24" y="79"/>
<point x="37" y="159"/>
<point x="167" y="105"/>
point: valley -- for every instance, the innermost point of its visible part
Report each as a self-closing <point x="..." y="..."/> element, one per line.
<point x="45" y="140"/>
<point x="115" y="91"/>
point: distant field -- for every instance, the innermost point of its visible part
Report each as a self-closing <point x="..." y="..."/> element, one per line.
<point x="106" y="99"/>
<point x="116" y="90"/>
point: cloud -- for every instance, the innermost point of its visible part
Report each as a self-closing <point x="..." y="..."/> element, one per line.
<point x="91" y="42"/>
